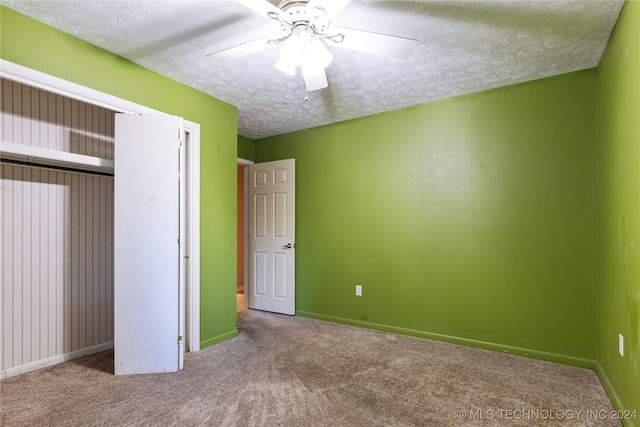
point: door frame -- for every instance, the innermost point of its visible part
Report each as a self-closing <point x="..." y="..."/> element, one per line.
<point x="34" y="78"/>
<point x="245" y="164"/>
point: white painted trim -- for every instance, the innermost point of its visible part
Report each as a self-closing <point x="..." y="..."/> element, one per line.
<point x="28" y="76"/>
<point x="245" y="162"/>
<point x="193" y="284"/>
<point x="183" y="245"/>
<point x="44" y="156"/>
<point x="28" y="367"/>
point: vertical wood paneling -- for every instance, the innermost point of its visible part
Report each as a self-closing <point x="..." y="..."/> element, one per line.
<point x="68" y="141"/>
<point x="7" y="270"/>
<point x="33" y="252"/>
<point x="81" y="287"/>
<point x="18" y="280"/>
<point x="6" y="132"/>
<point x="75" y="264"/>
<point x="34" y="117"/>
<point x="108" y="123"/>
<point x="94" y="297"/>
<point x="60" y="247"/>
<point x="59" y="124"/>
<point x="57" y="231"/>
<point x="68" y="264"/>
<point x="23" y="101"/>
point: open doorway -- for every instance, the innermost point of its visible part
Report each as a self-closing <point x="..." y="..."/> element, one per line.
<point x="242" y="236"/>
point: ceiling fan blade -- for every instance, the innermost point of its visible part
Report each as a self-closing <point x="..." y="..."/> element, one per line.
<point x="241" y="50"/>
<point x="379" y="44"/>
<point x="332" y="7"/>
<point x="316" y="81"/>
<point x="261" y="7"/>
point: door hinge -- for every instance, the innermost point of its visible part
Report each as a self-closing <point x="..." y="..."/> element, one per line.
<point x="179" y="338"/>
<point x="179" y="142"/>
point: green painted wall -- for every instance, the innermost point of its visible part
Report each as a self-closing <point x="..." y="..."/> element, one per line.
<point x="471" y="219"/>
<point x="618" y="84"/>
<point x="246" y="148"/>
<point x="35" y="45"/>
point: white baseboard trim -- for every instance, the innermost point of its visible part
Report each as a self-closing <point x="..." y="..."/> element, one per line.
<point x="32" y="366"/>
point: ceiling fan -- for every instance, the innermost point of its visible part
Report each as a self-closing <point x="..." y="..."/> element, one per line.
<point x="307" y="26"/>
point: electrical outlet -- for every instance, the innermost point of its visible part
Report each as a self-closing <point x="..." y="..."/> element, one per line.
<point x="358" y="290"/>
<point x="621" y="344"/>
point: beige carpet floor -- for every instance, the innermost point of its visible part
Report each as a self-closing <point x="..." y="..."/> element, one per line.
<point x="294" y="371"/>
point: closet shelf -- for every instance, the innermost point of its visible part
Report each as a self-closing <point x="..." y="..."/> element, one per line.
<point x="46" y="157"/>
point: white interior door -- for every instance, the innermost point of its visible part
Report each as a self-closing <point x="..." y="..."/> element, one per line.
<point x="146" y="244"/>
<point x="272" y="236"/>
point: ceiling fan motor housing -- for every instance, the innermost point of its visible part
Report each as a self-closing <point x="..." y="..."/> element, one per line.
<point x="297" y="13"/>
<point x="285" y="4"/>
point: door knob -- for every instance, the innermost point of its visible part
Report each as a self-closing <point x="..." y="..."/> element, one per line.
<point x="289" y="246"/>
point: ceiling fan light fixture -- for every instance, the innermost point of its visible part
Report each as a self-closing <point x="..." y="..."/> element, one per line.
<point x="314" y="60"/>
<point x="316" y="82"/>
<point x="315" y="57"/>
<point x="287" y="65"/>
<point x="291" y="54"/>
<point x="310" y="55"/>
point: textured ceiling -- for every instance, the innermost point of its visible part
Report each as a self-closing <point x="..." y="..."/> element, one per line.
<point x="464" y="47"/>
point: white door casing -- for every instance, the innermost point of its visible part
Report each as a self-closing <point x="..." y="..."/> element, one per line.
<point x="146" y="249"/>
<point x="182" y="240"/>
<point x="272" y="236"/>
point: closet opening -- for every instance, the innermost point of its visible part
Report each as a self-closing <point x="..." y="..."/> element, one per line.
<point x="57" y="145"/>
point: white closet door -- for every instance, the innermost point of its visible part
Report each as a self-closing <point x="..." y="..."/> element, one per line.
<point x="146" y="258"/>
